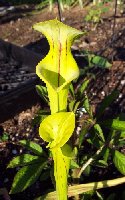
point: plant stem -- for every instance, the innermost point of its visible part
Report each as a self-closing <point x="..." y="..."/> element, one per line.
<point x="114" y="22"/>
<point x="90" y="161"/>
<point x="59" y="11"/>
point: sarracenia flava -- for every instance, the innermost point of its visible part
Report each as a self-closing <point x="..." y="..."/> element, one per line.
<point x="57" y="70"/>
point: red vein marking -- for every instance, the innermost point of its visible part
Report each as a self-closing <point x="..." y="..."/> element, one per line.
<point x="60" y="49"/>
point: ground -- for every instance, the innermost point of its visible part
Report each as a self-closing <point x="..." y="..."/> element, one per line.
<point x="106" y="38"/>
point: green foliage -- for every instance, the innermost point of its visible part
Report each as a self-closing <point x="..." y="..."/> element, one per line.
<point x="40" y="4"/>
<point x="82" y="89"/>
<point x="95" y="60"/>
<point x="31" y="166"/>
<point x="100" y="62"/>
<point x="26" y="176"/>
<point x="4" y="137"/>
<point x="41" y="115"/>
<point x="106" y="103"/>
<point x="95" y="14"/>
<point x="83" y="133"/>
<point x="87" y="106"/>
<point x="62" y="3"/>
<point x="71" y="127"/>
<point x="99" y="132"/>
<point x="100" y="163"/>
<point x="34" y="147"/>
<point x="22" y="160"/>
<point x="42" y="92"/>
<point x="119" y="161"/>
<point x="73" y="165"/>
<point x="115" y="124"/>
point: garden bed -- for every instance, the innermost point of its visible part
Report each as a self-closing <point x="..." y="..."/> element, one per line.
<point x="21" y="103"/>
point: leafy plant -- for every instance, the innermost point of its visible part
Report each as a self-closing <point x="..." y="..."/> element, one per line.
<point x="4" y="137"/>
<point x="95" y="14"/>
<point x="94" y="61"/>
<point x="32" y="166"/>
<point x="62" y="3"/>
<point x="70" y="127"/>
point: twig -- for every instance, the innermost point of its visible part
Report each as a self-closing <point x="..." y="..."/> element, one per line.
<point x="112" y="39"/>
<point x="59" y="11"/>
<point x="90" y="161"/>
<point x="114" y="22"/>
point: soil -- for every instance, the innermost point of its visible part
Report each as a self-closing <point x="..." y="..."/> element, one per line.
<point x="103" y="39"/>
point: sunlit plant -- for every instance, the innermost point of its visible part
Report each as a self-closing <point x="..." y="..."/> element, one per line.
<point x="57" y="70"/>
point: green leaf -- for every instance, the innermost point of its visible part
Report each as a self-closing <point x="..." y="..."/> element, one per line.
<point x="101" y="62"/>
<point x="73" y="165"/>
<point x="83" y="132"/>
<point x="67" y="150"/>
<point x="23" y="159"/>
<point x="44" y="112"/>
<point x="121" y="143"/>
<point x="42" y="92"/>
<point x="32" y="146"/>
<point x="87" y="170"/>
<point x="5" y="137"/>
<point x="100" y="163"/>
<point x="105" y="9"/>
<point x="82" y="88"/>
<point x="99" y="132"/>
<point x="122" y="134"/>
<point x="106" y="103"/>
<point x="26" y="176"/>
<point x="76" y="105"/>
<point x="106" y="154"/>
<point x="117" y="139"/>
<point x="114" y="124"/>
<point x="71" y="91"/>
<point x="71" y="105"/>
<point x="94" y="139"/>
<point x="119" y="161"/>
<point x="41" y="115"/>
<point x="88" y="195"/>
<point x="56" y="130"/>
<point x="87" y="106"/>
